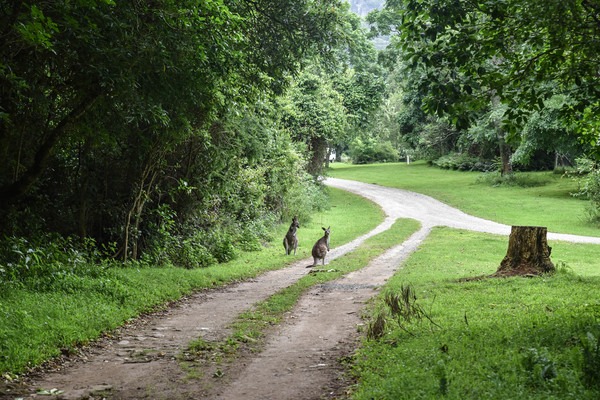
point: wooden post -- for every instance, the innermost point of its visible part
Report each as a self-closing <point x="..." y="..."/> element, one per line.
<point x="528" y="253"/>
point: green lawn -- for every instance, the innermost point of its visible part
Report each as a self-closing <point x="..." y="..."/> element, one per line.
<point x="512" y="338"/>
<point x="515" y="338"/>
<point x="550" y="205"/>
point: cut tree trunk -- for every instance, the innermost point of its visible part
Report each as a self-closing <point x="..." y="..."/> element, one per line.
<point x="528" y="253"/>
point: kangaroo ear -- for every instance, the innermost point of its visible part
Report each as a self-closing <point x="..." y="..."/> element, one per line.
<point x="323" y="228"/>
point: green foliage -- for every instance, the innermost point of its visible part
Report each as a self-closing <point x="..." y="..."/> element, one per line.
<point x="39" y="29"/>
<point x="334" y="98"/>
<point x="468" y="55"/>
<point x="463" y="162"/>
<point x="314" y="113"/>
<point x="491" y="77"/>
<point x="114" y="114"/>
<point x="589" y="128"/>
<point x="370" y="150"/>
<point x="517" y="179"/>
<point x="589" y="186"/>
<point x="51" y="261"/>
<point x="590" y="348"/>
<point x="546" y="130"/>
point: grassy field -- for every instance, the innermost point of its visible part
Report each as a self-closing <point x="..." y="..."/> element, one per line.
<point x="516" y="338"/>
<point x="435" y="333"/>
<point x="36" y="325"/>
<point x="550" y="204"/>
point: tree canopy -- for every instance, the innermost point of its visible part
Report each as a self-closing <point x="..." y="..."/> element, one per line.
<point x="124" y="120"/>
<point x="518" y="51"/>
<point x="71" y="69"/>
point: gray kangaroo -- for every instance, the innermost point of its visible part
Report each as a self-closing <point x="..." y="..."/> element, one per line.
<point x="290" y="241"/>
<point x="320" y="249"/>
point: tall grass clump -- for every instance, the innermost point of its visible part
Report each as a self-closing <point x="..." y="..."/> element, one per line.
<point x="590" y="345"/>
<point x="517" y="179"/>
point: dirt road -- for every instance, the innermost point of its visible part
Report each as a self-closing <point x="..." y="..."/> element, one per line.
<point x="301" y="357"/>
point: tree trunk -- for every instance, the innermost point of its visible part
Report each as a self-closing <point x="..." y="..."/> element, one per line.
<point x="528" y="253"/>
<point x="12" y="191"/>
<point x="318" y="148"/>
<point x="505" y="157"/>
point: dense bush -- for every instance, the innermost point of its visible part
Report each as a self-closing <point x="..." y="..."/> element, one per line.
<point x="369" y="150"/>
<point x="52" y="262"/>
<point x="463" y="162"/>
<point x="588" y="174"/>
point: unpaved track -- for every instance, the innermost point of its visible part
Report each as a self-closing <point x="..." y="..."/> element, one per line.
<point x="300" y="359"/>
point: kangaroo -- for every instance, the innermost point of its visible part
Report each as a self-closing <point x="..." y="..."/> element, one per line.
<point x="320" y="249"/>
<point x="290" y="241"/>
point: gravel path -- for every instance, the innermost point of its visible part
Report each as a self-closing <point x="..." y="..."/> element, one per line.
<point x="301" y="358"/>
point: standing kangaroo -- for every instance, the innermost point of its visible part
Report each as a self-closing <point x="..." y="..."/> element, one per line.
<point x="320" y="249"/>
<point x="290" y="241"/>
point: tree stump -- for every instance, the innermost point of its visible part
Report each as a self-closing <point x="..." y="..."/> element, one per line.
<point x="528" y="253"/>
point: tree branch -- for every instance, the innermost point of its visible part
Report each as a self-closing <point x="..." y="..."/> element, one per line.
<point x="17" y="7"/>
<point x="593" y="9"/>
<point x="19" y="187"/>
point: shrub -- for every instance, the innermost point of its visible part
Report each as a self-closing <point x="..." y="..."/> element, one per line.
<point x="302" y="198"/>
<point x="252" y="234"/>
<point x="519" y="179"/>
<point x="57" y="264"/>
<point x="589" y="186"/>
<point x="463" y="162"/>
<point x="370" y="151"/>
<point x="191" y="253"/>
<point x="23" y="261"/>
<point x="590" y="346"/>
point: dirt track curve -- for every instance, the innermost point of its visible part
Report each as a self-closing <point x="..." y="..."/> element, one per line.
<point x="301" y="357"/>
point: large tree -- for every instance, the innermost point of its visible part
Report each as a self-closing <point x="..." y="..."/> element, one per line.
<point x="314" y="113"/>
<point x="476" y="53"/>
<point x="335" y="98"/>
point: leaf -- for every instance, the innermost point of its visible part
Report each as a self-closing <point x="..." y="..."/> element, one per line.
<point x="50" y="392"/>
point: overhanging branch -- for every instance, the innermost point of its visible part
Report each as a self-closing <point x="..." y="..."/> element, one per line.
<point x="18" y="188"/>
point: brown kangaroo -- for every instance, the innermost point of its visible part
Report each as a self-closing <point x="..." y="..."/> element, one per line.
<point x="290" y="241"/>
<point x="320" y="249"/>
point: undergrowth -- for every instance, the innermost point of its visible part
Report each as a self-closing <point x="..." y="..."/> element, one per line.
<point x="519" y="179"/>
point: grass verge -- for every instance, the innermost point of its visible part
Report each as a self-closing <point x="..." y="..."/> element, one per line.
<point x="36" y="325"/>
<point x="547" y="203"/>
<point x="526" y="338"/>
